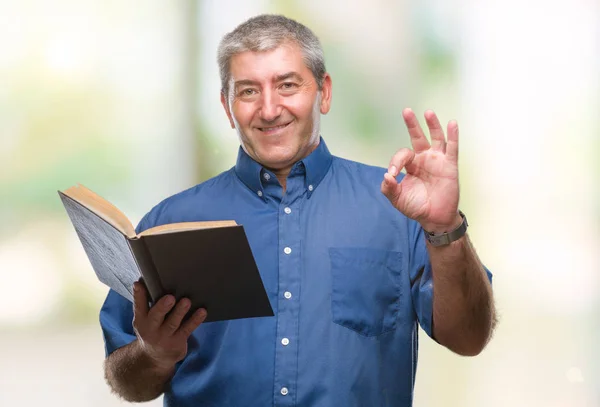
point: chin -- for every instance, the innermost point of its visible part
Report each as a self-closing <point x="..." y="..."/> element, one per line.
<point x="277" y="153"/>
<point x="277" y="161"/>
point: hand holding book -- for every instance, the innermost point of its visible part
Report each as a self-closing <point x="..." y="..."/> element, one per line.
<point x="162" y="329"/>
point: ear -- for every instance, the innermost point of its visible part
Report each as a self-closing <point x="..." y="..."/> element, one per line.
<point x="227" y="111"/>
<point x="326" y="94"/>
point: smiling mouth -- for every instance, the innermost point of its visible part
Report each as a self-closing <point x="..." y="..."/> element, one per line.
<point x="273" y="129"/>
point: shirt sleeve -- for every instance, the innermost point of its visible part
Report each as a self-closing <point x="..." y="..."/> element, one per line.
<point x="116" y="315"/>
<point x="421" y="278"/>
<point x="116" y="318"/>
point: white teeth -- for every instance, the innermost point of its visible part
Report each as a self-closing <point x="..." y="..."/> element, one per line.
<point x="273" y="128"/>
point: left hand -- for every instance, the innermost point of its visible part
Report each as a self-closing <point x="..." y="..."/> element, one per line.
<point x="429" y="191"/>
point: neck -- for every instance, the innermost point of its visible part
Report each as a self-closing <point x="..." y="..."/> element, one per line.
<point x="282" y="176"/>
<point x="282" y="173"/>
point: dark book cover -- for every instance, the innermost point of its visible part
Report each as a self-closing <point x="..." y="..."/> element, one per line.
<point x="213" y="267"/>
<point x="217" y="268"/>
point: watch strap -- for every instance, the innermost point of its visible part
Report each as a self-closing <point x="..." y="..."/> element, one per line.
<point x="447" y="238"/>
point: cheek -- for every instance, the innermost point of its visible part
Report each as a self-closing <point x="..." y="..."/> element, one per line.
<point x="242" y="114"/>
<point x="301" y="108"/>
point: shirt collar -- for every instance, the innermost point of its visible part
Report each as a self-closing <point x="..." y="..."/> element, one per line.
<point x="316" y="165"/>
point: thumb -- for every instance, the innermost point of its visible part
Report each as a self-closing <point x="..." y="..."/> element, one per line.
<point x="391" y="188"/>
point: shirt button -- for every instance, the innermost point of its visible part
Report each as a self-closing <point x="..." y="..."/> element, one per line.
<point x="284" y="391"/>
<point x="287" y="210"/>
<point x="287" y="295"/>
<point x="310" y="188"/>
<point x="259" y="193"/>
<point x="267" y="176"/>
<point x="285" y="341"/>
<point x="287" y="250"/>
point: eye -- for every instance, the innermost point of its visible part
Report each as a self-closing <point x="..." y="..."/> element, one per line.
<point x="288" y="85"/>
<point x="248" y="92"/>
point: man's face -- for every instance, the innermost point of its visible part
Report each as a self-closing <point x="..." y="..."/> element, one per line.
<point x="275" y="105"/>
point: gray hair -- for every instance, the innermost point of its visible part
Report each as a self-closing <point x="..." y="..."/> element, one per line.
<point x="264" y="33"/>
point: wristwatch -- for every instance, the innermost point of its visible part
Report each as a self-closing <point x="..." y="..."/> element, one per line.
<point x="447" y="238"/>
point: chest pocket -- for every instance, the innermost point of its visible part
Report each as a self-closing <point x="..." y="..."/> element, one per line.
<point x="365" y="289"/>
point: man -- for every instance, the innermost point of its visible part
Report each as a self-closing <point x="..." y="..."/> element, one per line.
<point x="341" y="248"/>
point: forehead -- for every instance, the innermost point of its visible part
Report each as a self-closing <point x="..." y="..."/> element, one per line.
<point x="266" y="65"/>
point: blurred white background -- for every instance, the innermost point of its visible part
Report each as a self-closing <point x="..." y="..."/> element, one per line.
<point x="123" y="97"/>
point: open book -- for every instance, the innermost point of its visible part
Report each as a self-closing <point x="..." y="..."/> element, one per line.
<point x="208" y="262"/>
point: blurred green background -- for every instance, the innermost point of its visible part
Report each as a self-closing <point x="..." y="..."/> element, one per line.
<point x="123" y="97"/>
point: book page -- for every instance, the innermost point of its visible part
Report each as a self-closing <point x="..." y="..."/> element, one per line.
<point x="178" y="227"/>
<point x="102" y="208"/>
<point x="106" y="247"/>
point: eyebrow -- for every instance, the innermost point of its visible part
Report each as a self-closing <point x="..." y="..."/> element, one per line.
<point x="288" y="75"/>
<point x="244" y="82"/>
<point x="278" y="78"/>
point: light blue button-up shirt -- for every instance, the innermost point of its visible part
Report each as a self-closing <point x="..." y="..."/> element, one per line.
<point x="348" y="277"/>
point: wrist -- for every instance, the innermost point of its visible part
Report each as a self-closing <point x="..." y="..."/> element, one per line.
<point x="156" y="361"/>
<point x="438" y="229"/>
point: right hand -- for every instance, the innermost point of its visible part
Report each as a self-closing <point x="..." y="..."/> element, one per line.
<point x="163" y="338"/>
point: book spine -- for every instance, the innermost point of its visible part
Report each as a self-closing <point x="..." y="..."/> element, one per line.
<point x="147" y="268"/>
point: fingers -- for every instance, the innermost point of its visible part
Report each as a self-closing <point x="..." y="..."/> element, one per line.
<point x="140" y="300"/>
<point x="390" y="187"/>
<point x="173" y="321"/>
<point x="156" y="315"/>
<point x="417" y="138"/>
<point x="438" y="140"/>
<point x="452" y="147"/>
<point x="157" y="318"/>
<point x="401" y="159"/>
<point x="191" y="324"/>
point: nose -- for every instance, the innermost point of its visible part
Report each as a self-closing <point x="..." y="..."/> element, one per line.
<point x="270" y="108"/>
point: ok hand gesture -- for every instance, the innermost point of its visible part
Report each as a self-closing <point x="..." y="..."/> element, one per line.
<point x="429" y="191"/>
